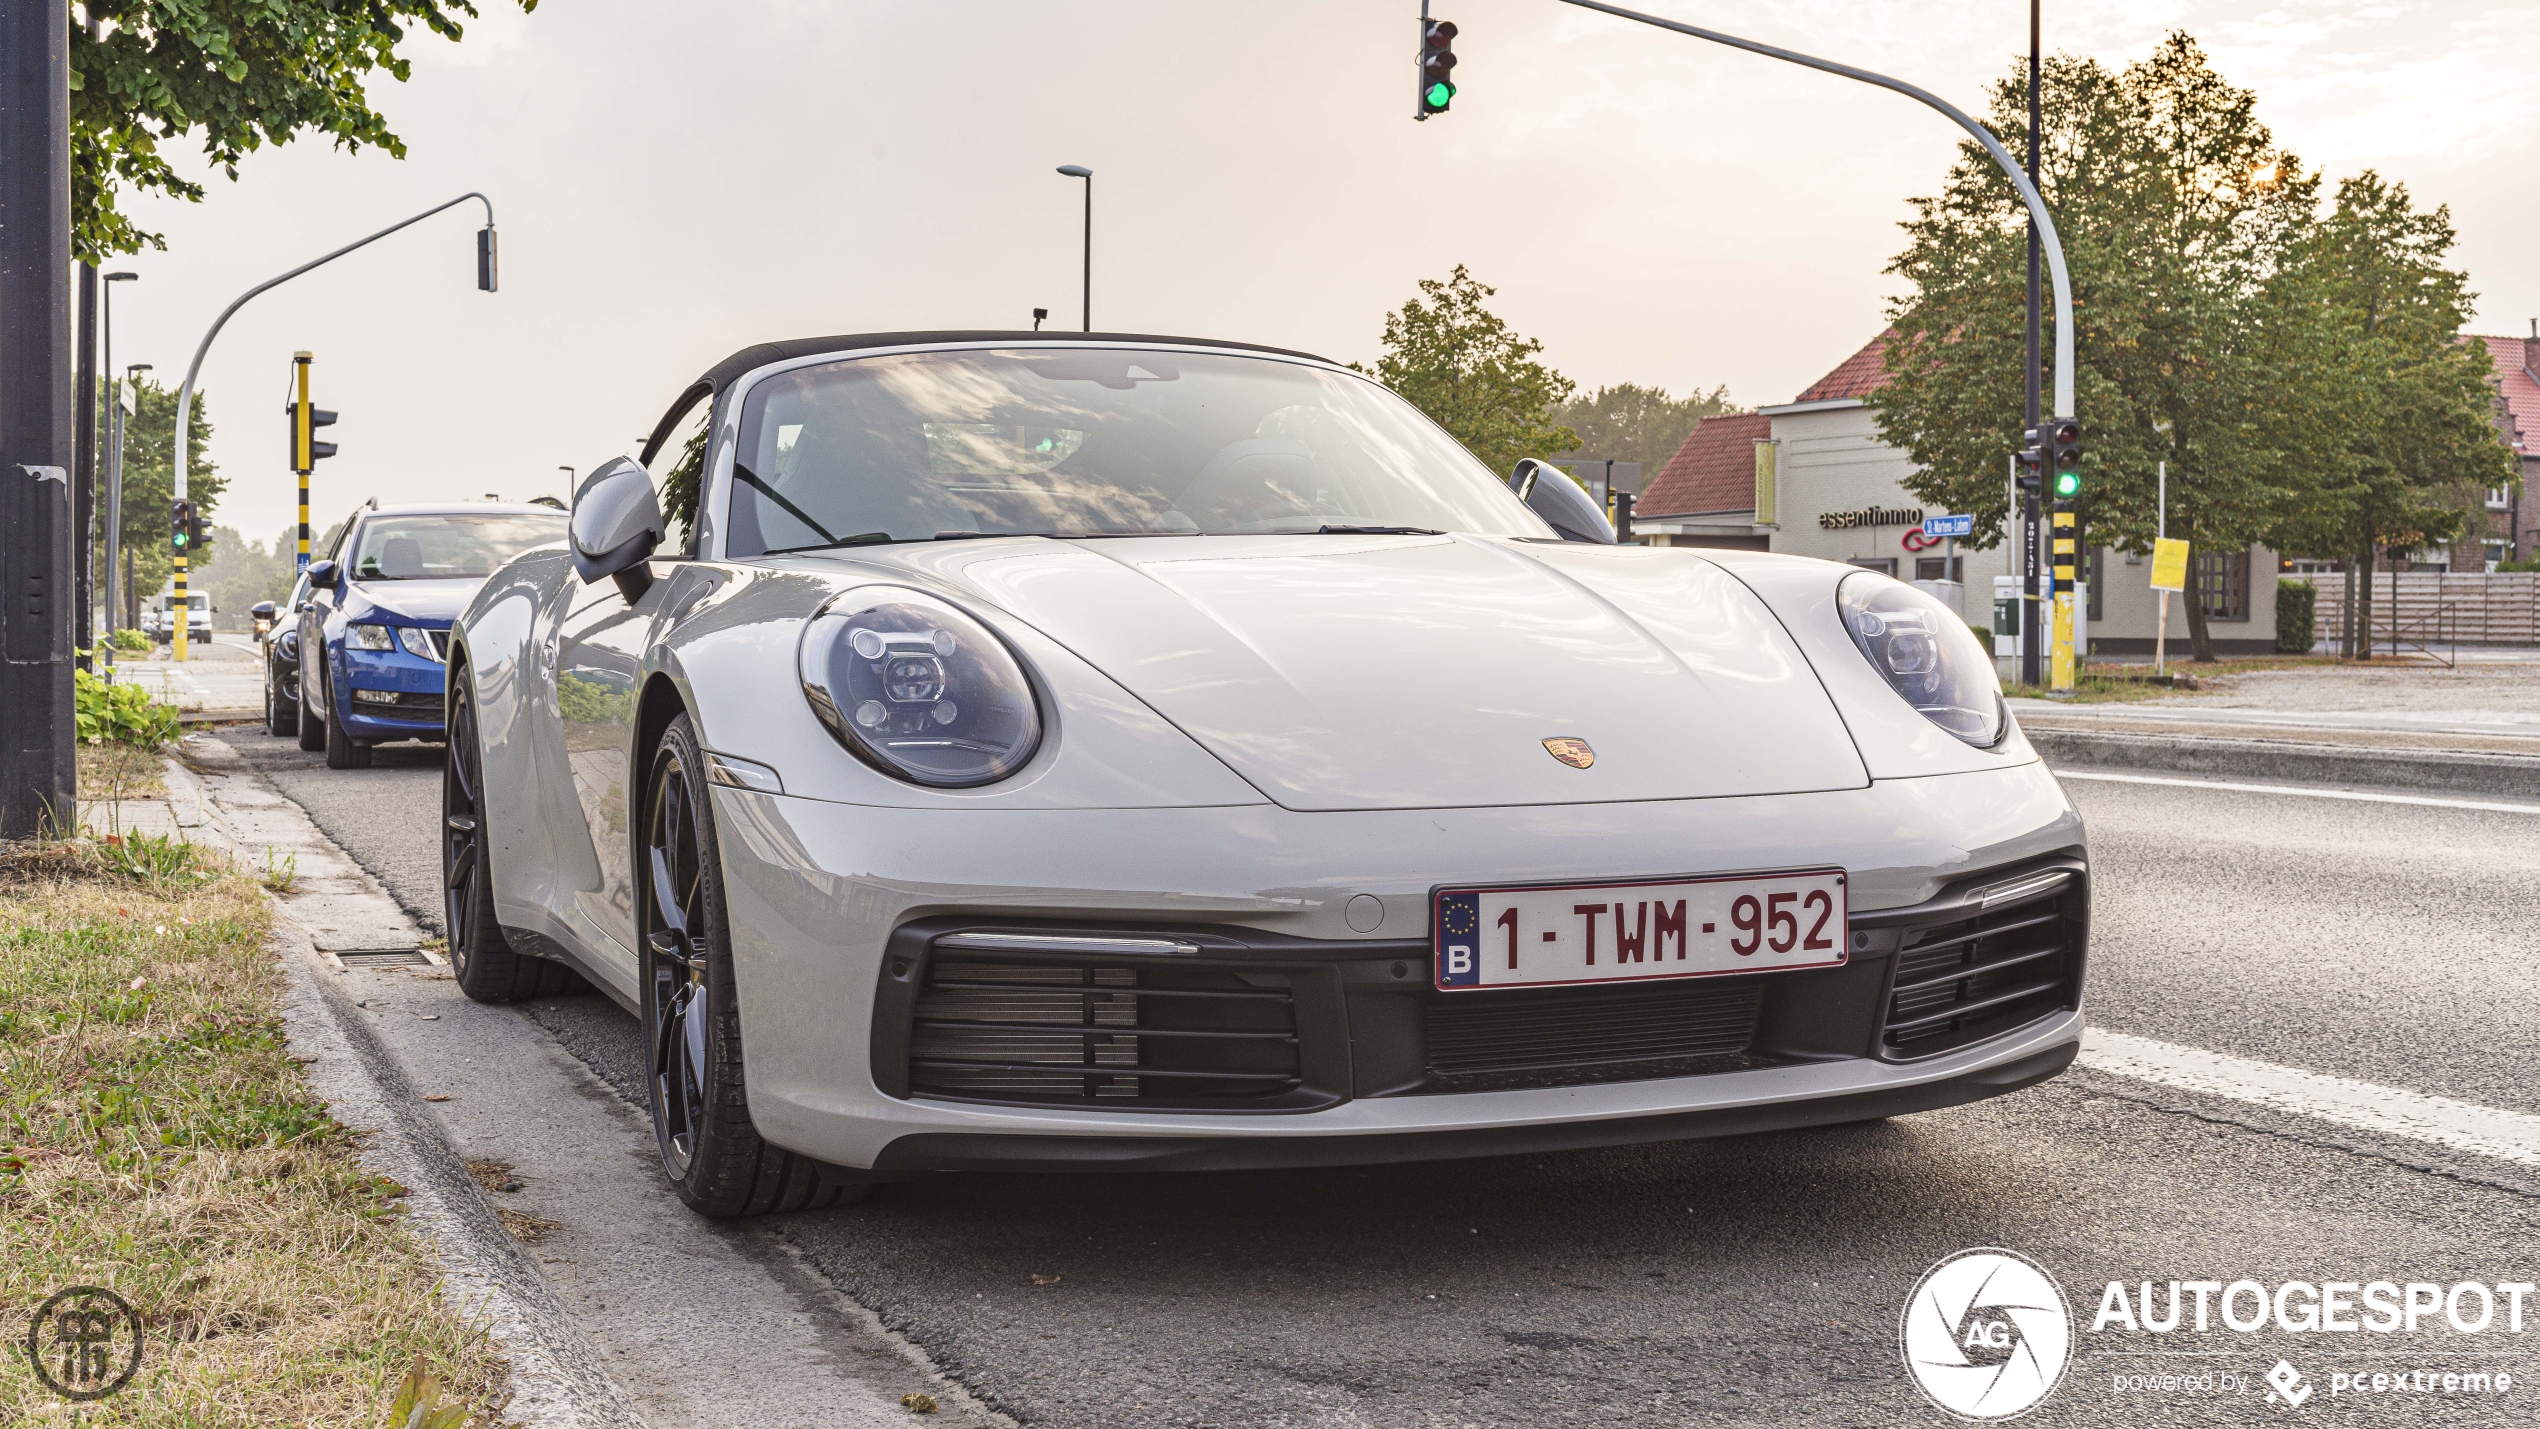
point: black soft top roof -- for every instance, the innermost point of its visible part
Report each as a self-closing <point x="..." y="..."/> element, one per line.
<point x="759" y="355"/>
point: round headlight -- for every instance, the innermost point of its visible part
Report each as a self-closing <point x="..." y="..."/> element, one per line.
<point x="1926" y="653"/>
<point x="917" y="689"/>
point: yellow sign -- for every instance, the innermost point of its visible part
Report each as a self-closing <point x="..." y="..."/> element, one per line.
<point x="2169" y="564"/>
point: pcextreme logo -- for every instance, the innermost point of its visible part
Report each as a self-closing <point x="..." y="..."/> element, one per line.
<point x="1986" y="1334"/>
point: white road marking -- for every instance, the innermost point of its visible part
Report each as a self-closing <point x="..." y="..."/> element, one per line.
<point x="2366" y="1106"/>
<point x="2358" y="796"/>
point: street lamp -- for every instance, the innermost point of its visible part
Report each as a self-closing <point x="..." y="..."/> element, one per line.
<point x="485" y="281"/>
<point x="1079" y="171"/>
<point x="112" y="518"/>
<point x="132" y="392"/>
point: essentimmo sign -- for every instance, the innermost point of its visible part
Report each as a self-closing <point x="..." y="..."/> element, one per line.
<point x="1870" y="516"/>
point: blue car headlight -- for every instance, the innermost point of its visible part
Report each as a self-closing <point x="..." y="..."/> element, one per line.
<point x="917" y="689"/>
<point x="367" y="637"/>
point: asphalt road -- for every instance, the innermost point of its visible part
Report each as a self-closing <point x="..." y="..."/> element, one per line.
<point x="1760" y="1280"/>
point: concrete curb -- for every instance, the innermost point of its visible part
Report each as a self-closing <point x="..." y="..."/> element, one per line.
<point x="2450" y="771"/>
<point x="555" y="1381"/>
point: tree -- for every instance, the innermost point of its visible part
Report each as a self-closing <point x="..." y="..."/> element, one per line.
<point x="2179" y="214"/>
<point x="1629" y="422"/>
<point x="242" y="572"/>
<point x="1454" y="359"/>
<point x="2412" y="437"/>
<point x="247" y="72"/>
<point x="149" y="485"/>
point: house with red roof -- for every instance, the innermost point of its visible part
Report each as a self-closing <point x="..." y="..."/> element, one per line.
<point x="2513" y="518"/>
<point x="1814" y="477"/>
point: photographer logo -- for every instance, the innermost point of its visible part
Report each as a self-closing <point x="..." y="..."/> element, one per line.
<point x="1986" y="1334"/>
<point x="85" y="1342"/>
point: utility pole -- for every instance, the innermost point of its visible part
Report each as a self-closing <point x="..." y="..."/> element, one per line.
<point x="2029" y="642"/>
<point x="84" y="472"/>
<point x="38" y="772"/>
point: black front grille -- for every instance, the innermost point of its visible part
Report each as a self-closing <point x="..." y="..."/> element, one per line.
<point x="1562" y="1037"/>
<point x="1985" y="972"/>
<point x="1085" y="1032"/>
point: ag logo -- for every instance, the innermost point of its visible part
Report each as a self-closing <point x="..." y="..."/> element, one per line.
<point x="85" y="1342"/>
<point x="1986" y="1335"/>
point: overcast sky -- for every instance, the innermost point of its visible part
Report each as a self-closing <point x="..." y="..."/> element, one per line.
<point x="675" y="179"/>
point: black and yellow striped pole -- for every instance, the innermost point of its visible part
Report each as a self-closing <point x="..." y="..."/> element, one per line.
<point x="306" y="449"/>
<point x="2063" y="456"/>
<point x="180" y="538"/>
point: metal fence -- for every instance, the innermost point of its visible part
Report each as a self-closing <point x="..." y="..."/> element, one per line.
<point x="2499" y="609"/>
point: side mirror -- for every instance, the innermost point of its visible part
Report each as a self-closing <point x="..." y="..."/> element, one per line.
<point x="616" y="526"/>
<point x="1563" y="504"/>
<point x="324" y="575"/>
<point x="262" y="610"/>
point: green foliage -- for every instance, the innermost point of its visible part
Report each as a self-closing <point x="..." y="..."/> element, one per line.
<point x="1454" y="359"/>
<point x="247" y="73"/>
<point x="242" y="572"/>
<point x="2296" y="616"/>
<point x="166" y="862"/>
<point x="2227" y="326"/>
<point x="679" y="487"/>
<point x="149" y="484"/>
<point x="418" y="1403"/>
<point x="1629" y="422"/>
<point x="121" y="713"/>
<point x="132" y="642"/>
<point x="582" y="701"/>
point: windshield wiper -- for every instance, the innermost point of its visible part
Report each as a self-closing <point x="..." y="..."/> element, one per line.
<point x="1373" y="531"/>
<point x="751" y="479"/>
<point x="869" y="538"/>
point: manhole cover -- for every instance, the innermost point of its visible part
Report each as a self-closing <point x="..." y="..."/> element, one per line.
<point x="380" y="957"/>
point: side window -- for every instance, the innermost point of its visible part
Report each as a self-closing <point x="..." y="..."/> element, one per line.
<point x="333" y="545"/>
<point x="678" y="464"/>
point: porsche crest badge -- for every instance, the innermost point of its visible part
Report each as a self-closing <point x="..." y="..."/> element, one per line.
<point x="1573" y="752"/>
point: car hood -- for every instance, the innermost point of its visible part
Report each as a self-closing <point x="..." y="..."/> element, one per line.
<point x="1377" y="672"/>
<point x="411" y="602"/>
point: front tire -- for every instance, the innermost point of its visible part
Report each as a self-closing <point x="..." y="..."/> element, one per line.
<point x="342" y="750"/>
<point x="312" y="730"/>
<point x="711" y="1151"/>
<point x="481" y="957"/>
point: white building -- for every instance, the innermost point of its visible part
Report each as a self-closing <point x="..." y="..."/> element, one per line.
<point x="1812" y="477"/>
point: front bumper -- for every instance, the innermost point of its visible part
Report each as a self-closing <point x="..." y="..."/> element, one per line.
<point x="419" y="685"/>
<point x="825" y="899"/>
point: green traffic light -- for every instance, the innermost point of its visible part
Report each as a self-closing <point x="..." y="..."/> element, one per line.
<point x="1440" y="93"/>
<point x="2067" y="485"/>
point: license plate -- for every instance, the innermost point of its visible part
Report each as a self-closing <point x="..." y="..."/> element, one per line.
<point x="1551" y="934"/>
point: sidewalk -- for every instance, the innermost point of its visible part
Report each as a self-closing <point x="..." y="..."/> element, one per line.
<point x="224" y="677"/>
<point x="2473" y="729"/>
<point x="615" y="1303"/>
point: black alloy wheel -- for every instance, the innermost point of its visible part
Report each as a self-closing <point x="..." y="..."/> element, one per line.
<point x="487" y="967"/>
<point x="282" y="708"/>
<point x="710" y="1149"/>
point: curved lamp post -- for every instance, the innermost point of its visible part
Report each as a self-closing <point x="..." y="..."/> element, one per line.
<point x="2053" y="244"/>
<point x="1079" y="171"/>
<point x="485" y="281"/>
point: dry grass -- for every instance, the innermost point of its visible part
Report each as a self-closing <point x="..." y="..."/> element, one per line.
<point x="119" y="771"/>
<point x="156" y="1139"/>
<point x="2124" y="684"/>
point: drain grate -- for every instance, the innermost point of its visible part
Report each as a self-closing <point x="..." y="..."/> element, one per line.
<point x="380" y="957"/>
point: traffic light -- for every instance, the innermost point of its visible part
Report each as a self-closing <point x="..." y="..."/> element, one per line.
<point x="1437" y="67"/>
<point x="181" y="524"/>
<point x="198" y="538"/>
<point x="306" y="417"/>
<point x="2064" y="455"/>
<point x="2032" y="461"/>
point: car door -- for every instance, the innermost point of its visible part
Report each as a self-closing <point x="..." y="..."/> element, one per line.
<point x="600" y="650"/>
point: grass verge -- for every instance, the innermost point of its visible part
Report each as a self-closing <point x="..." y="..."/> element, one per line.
<point x="2123" y="684"/>
<point x="157" y="1139"/>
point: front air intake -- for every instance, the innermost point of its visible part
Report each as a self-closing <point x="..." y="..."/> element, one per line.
<point x="1062" y="1031"/>
<point x="1992" y="964"/>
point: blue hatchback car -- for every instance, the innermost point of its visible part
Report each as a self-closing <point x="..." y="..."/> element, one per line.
<point x="379" y="609"/>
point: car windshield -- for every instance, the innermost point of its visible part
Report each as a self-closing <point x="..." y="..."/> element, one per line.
<point x="1093" y="442"/>
<point x="405" y="548"/>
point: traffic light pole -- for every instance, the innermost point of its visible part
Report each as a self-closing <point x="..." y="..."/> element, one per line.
<point x="185" y="394"/>
<point x="2045" y="240"/>
<point x="38" y="769"/>
<point x="2029" y="623"/>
